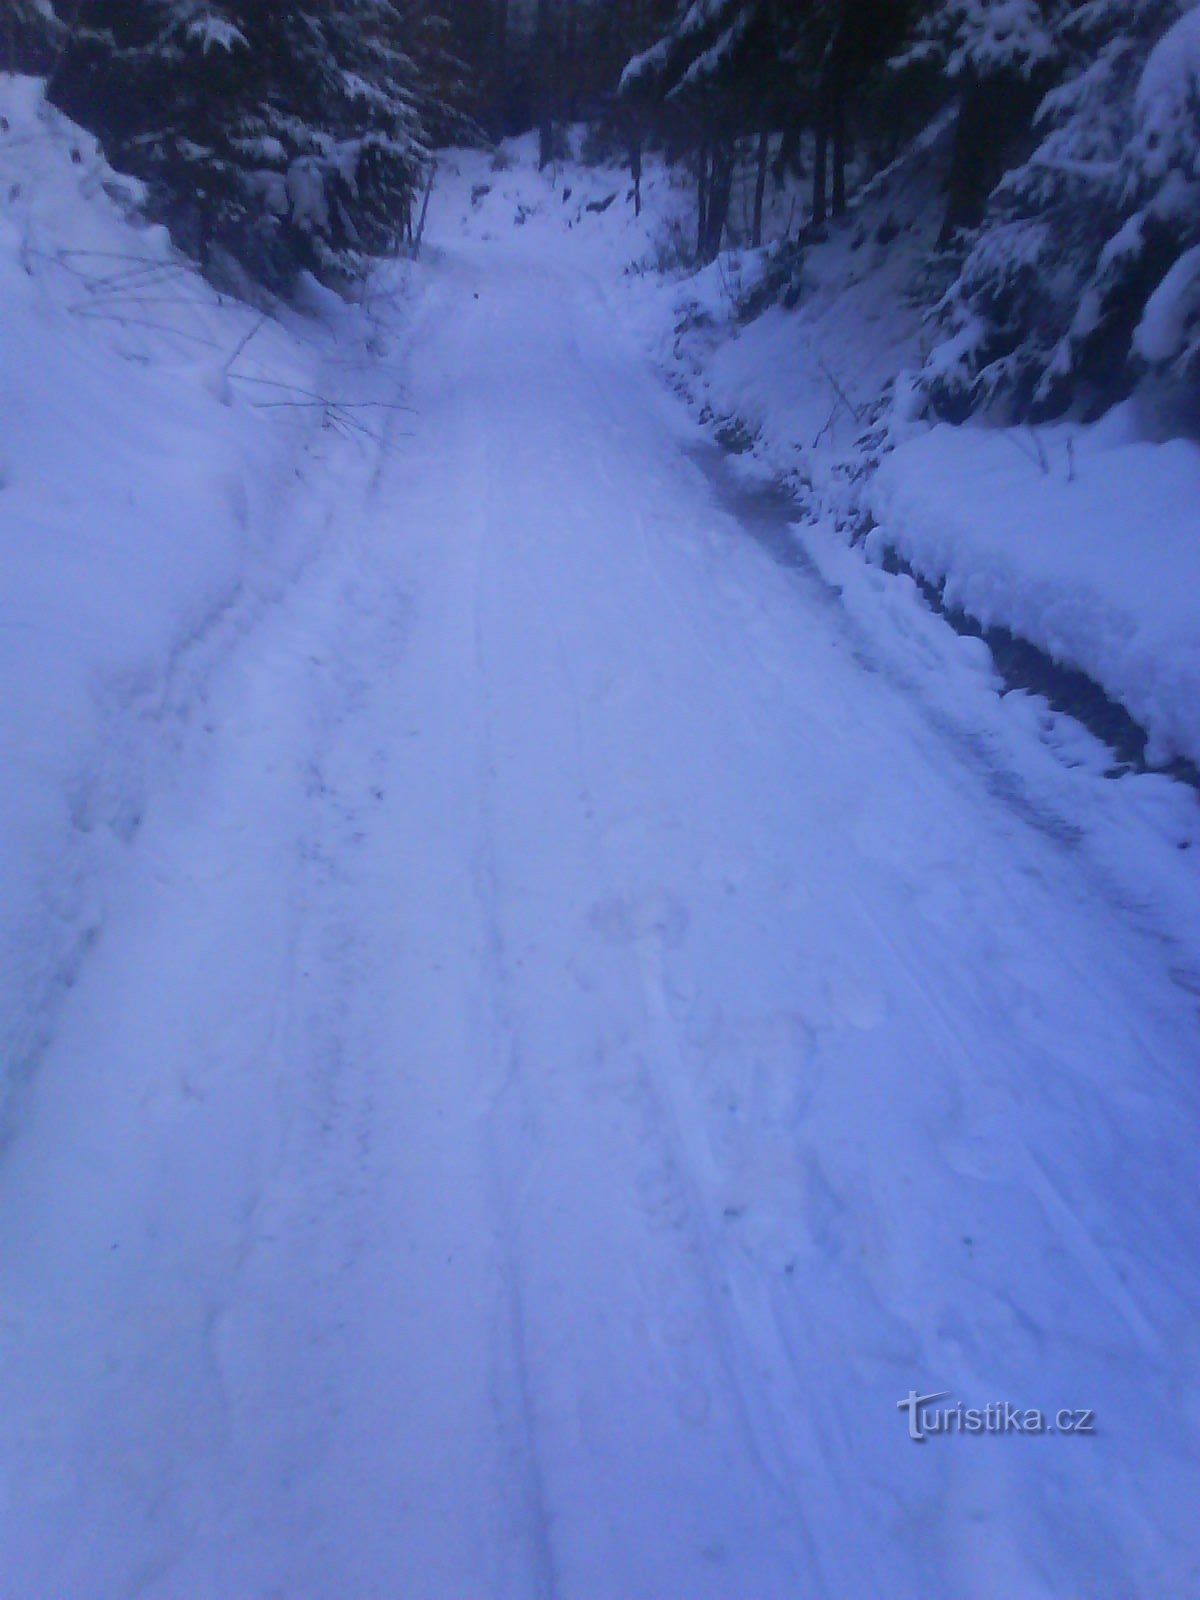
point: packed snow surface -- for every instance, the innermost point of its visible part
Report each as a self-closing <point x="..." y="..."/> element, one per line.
<point x="593" y="1009"/>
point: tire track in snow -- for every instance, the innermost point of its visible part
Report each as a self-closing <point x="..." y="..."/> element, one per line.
<point x="512" y="1144"/>
<point x="764" y="1430"/>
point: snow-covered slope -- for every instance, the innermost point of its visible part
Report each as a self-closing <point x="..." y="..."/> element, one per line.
<point x="800" y="385"/>
<point x="149" y="502"/>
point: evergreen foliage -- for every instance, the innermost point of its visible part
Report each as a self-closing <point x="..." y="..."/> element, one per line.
<point x="748" y="67"/>
<point x="1071" y="229"/>
<point x="29" y="34"/>
<point x="275" y="135"/>
<point x="1082" y="273"/>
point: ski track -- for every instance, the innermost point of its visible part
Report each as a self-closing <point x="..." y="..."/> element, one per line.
<point x="572" y="1044"/>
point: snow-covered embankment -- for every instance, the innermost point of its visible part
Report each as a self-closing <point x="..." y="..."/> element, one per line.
<point x="150" y="505"/>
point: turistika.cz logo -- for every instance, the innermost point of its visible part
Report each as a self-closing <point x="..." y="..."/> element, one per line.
<point x="926" y="1418"/>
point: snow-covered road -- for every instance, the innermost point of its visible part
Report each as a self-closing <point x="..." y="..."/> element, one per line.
<point x="574" y="1045"/>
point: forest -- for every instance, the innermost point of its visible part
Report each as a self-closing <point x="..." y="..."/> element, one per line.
<point x="278" y="138"/>
<point x="599" y="799"/>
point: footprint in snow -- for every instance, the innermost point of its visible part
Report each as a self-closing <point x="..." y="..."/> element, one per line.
<point x="855" y="1001"/>
<point x="632" y="919"/>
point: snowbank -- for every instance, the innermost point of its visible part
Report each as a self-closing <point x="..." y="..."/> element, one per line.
<point x="141" y="487"/>
<point x="1086" y="541"/>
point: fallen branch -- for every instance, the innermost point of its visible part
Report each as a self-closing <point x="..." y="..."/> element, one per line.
<point x="312" y="397"/>
<point x="244" y="342"/>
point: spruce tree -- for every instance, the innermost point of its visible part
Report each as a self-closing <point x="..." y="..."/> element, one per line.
<point x="1086" y="237"/>
<point x="29" y="35"/>
<point x="275" y="135"/>
<point x="997" y="57"/>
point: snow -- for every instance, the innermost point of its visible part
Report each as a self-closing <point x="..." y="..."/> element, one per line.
<point x="1084" y="541"/>
<point x="1094" y="555"/>
<point x="805" y="384"/>
<point x="147" y="505"/>
<point x="595" y="1008"/>
<point x="1172" y="316"/>
<point x="1168" y="100"/>
<point x="212" y="32"/>
<point x="306" y="194"/>
<point x="990" y="37"/>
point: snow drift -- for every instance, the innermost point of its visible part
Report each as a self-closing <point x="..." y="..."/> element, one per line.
<point x="142" y="491"/>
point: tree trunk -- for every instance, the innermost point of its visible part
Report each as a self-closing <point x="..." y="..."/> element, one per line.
<point x="788" y="159"/>
<point x="821" y="164"/>
<point x="720" y="189"/>
<point x="416" y="244"/>
<point x="544" y="87"/>
<point x="702" y="203"/>
<point x="993" y="114"/>
<point x="968" y="163"/>
<point x="837" y="106"/>
<point x="572" y="60"/>
<point x="760" y="188"/>
<point x="502" y="66"/>
<point x="635" y="167"/>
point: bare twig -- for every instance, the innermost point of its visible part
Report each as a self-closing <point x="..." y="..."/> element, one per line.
<point x="1034" y="451"/>
<point x="137" y="301"/>
<point x="335" y="416"/>
<point x="326" y="405"/>
<point x="320" y="399"/>
<point x="242" y="343"/>
<point x="858" y="413"/>
<point x="416" y="249"/>
<point x="828" y="427"/>
<point x="86" y="314"/>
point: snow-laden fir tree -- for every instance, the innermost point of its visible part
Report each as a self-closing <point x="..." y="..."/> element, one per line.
<point x="1085" y="270"/>
<point x="275" y="135"/>
<point x="447" y="43"/>
<point x="29" y="34"/>
<point x="996" y="57"/>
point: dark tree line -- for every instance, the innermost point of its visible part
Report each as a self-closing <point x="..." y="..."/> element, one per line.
<point x="731" y="70"/>
<point x="274" y="136"/>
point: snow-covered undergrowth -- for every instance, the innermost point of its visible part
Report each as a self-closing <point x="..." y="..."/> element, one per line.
<point x="152" y="499"/>
<point x="802" y="384"/>
<point x="581" y="211"/>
